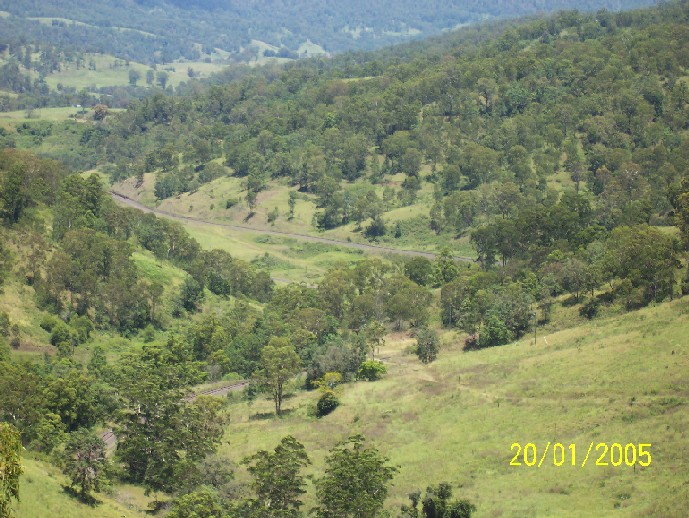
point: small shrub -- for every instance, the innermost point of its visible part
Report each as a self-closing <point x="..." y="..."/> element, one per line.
<point x="590" y="309"/>
<point x="371" y="371"/>
<point x="4" y="324"/>
<point x="273" y="215"/>
<point x="327" y="403"/>
<point x="148" y="334"/>
<point x="15" y="336"/>
<point x="48" y="322"/>
<point x="471" y="342"/>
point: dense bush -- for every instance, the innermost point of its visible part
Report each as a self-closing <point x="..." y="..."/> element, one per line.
<point x="371" y="371"/>
<point x="327" y="403"/>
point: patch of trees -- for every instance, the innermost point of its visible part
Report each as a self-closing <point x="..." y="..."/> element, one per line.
<point x="355" y="483"/>
<point x="163" y="438"/>
<point x="333" y="328"/>
<point x="84" y="270"/>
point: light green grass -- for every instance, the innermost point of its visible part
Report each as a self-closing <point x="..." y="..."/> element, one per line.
<point x="209" y="203"/>
<point x="42" y="496"/>
<point x="42" y="114"/>
<point x="311" y="48"/>
<point x="67" y="21"/>
<point x="620" y="380"/>
<point x="112" y="71"/>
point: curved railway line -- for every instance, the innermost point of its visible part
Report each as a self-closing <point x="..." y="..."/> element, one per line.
<point x="125" y="200"/>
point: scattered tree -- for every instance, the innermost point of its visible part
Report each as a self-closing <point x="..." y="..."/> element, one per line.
<point x="427" y="345"/>
<point x="356" y="481"/>
<point x="279" y="363"/>
<point x="278" y="482"/>
<point x="85" y="463"/>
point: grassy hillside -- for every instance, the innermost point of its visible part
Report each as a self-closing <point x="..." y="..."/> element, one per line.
<point x="42" y="496"/>
<point x="210" y="203"/>
<point x="617" y="380"/>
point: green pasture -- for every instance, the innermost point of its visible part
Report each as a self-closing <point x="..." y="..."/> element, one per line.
<point x="616" y="380"/>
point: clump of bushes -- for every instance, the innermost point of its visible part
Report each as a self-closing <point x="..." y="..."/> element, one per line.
<point x="4" y="324"/>
<point x="371" y="371"/>
<point x="590" y="309"/>
<point x="327" y="403"/>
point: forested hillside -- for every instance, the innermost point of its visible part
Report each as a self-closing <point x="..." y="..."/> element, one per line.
<point x="80" y="53"/>
<point x="164" y="31"/>
<point x="550" y="145"/>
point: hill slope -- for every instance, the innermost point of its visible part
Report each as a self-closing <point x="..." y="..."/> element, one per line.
<point x="167" y="30"/>
<point x="619" y="380"/>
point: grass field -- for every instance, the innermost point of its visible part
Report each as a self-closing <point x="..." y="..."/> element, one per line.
<point x="112" y="71"/>
<point x="43" y="114"/>
<point x="617" y="380"/>
<point x="210" y="201"/>
<point x="42" y="495"/>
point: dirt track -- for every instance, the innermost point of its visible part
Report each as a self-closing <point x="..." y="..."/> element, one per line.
<point x="125" y="200"/>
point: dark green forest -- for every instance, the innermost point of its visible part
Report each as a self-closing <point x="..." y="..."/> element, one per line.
<point x="173" y="29"/>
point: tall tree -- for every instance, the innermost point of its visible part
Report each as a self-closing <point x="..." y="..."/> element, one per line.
<point x="278" y="482"/>
<point x="10" y="467"/>
<point x="279" y="363"/>
<point x="160" y="435"/>
<point x="355" y="483"/>
<point x="85" y="463"/>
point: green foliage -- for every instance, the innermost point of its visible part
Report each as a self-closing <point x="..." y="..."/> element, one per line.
<point x="202" y="503"/>
<point x="191" y="294"/>
<point x="77" y="398"/>
<point x="427" y="345"/>
<point x="85" y="463"/>
<point x="4" y="324"/>
<point x="327" y="403"/>
<point x="278" y="482"/>
<point x="590" y="309"/>
<point x="419" y="270"/>
<point x="371" y="370"/>
<point x="647" y="257"/>
<point x="48" y="322"/>
<point x="279" y="363"/>
<point x="355" y="482"/>
<point x="63" y="333"/>
<point x="10" y="467"/>
<point x="13" y="196"/>
<point x="160" y="435"/>
<point x="21" y="400"/>
<point x="79" y="204"/>
<point x="494" y="332"/>
<point x="437" y="504"/>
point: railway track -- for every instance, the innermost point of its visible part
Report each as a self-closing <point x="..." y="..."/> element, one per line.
<point x="126" y="200"/>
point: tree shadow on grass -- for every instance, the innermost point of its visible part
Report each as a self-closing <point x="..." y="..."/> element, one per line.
<point x="262" y="416"/>
<point x="157" y="506"/>
<point x="87" y="499"/>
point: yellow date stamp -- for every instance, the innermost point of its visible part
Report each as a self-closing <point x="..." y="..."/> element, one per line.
<point x="599" y="454"/>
